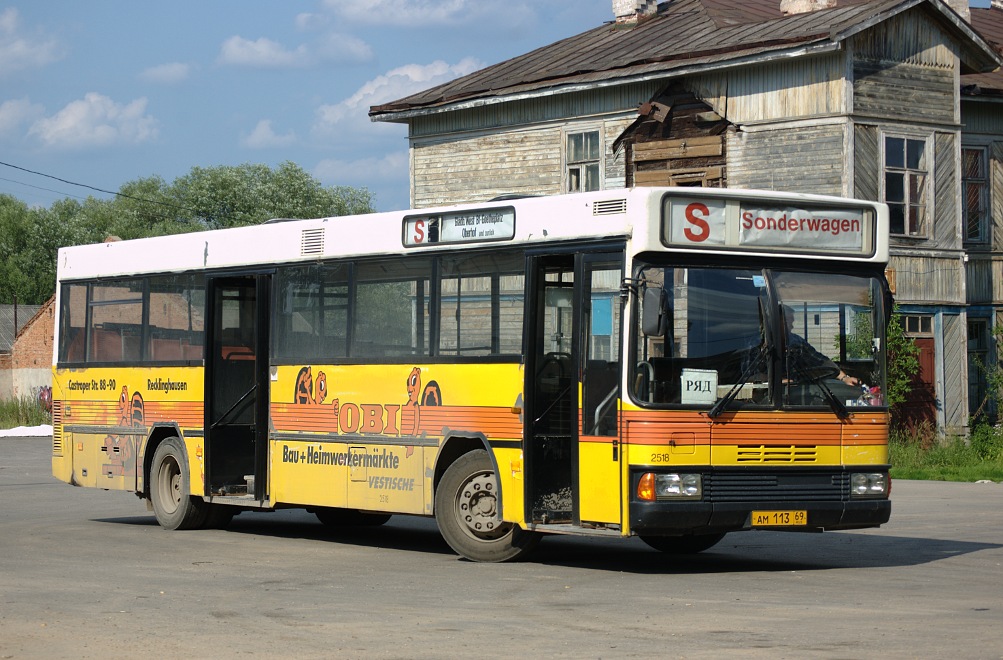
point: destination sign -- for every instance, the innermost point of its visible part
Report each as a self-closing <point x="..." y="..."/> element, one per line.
<point x="475" y="226"/>
<point x="764" y="225"/>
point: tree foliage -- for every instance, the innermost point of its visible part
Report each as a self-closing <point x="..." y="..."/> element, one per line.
<point x="903" y="365"/>
<point x="206" y="198"/>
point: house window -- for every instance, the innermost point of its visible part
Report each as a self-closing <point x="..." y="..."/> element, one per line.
<point x="975" y="198"/>
<point x="906" y="173"/>
<point x="918" y="325"/>
<point x="978" y="363"/>
<point x="583" y="155"/>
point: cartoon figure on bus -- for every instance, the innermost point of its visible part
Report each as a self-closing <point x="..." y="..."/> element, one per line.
<point x="430" y="396"/>
<point x="121" y="449"/>
<point x="307" y="391"/>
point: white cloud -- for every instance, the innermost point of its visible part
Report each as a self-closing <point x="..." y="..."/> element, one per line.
<point x="15" y="114"/>
<point x="19" y="51"/>
<point x="397" y="83"/>
<point x="96" y="121"/>
<point x="167" y="74"/>
<point x="267" y="54"/>
<point x="264" y="137"/>
<point x="423" y="13"/>
<point x="365" y="171"/>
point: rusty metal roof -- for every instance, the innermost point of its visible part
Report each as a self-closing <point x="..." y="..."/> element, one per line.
<point x="685" y="35"/>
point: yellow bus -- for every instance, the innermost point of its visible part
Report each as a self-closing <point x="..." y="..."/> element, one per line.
<point x="670" y="363"/>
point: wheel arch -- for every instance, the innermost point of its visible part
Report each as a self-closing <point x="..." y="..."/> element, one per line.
<point x="158" y="434"/>
<point x="455" y="445"/>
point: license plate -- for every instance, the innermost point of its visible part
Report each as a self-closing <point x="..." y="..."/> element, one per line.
<point x="779" y="518"/>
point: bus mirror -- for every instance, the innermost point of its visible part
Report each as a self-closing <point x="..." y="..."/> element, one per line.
<point x="655" y="312"/>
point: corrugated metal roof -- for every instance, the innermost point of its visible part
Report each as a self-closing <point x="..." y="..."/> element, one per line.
<point x="7" y="330"/>
<point x="685" y="34"/>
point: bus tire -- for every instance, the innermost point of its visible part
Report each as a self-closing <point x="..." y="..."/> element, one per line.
<point x="683" y="545"/>
<point x="466" y="506"/>
<point x="334" y="517"/>
<point x="170" y="488"/>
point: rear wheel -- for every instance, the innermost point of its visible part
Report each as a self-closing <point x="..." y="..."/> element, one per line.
<point x="170" y="486"/>
<point x="333" y="517"/>
<point x="683" y="545"/>
<point x="466" y="510"/>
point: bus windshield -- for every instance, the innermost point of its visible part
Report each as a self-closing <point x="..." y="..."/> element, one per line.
<point x="727" y="338"/>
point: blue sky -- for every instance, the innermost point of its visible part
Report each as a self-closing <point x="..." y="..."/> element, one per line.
<point x="104" y="92"/>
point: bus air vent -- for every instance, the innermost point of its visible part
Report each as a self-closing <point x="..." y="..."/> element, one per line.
<point x="771" y="454"/>
<point x="312" y="242"/>
<point x="609" y="207"/>
<point x="57" y="428"/>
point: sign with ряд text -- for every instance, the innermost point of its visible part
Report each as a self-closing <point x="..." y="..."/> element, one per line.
<point x="475" y="226"/>
<point x="765" y="224"/>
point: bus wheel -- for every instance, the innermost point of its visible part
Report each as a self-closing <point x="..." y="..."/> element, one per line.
<point x="466" y="507"/>
<point x="683" y="545"/>
<point x="334" y="517"/>
<point x="169" y="488"/>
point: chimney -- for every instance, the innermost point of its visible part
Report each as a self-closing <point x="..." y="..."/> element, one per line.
<point x="961" y="8"/>
<point x="789" y="7"/>
<point x="629" y="12"/>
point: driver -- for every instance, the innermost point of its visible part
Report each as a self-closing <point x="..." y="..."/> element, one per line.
<point x="806" y="354"/>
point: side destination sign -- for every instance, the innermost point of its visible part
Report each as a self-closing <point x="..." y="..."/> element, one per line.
<point x="748" y="224"/>
<point x="474" y="226"/>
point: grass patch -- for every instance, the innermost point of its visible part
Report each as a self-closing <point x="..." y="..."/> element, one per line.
<point x="25" y="411"/>
<point x="920" y="454"/>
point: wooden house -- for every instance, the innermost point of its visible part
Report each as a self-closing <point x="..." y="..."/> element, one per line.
<point x="892" y="100"/>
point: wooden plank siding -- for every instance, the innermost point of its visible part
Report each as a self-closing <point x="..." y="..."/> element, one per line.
<point x="479" y="167"/>
<point x="946" y="216"/>
<point x="955" y="367"/>
<point x="996" y="195"/>
<point x="866" y="162"/>
<point x="806" y="159"/>
<point x="928" y="280"/>
<point x="905" y="71"/>
<point x="781" y="90"/>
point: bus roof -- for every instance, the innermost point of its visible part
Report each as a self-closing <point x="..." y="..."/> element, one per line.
<point x="619" y="214"/>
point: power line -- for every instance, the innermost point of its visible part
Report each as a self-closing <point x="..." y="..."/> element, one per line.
<point x="100" y="190"/>
<point x="57" y="192"/>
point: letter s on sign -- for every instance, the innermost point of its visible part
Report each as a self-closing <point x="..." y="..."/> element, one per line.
<point x="700" y="230"/>
<point x="419" y="231"/>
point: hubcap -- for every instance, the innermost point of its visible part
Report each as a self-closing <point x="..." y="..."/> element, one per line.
<point x="477" y="507"/>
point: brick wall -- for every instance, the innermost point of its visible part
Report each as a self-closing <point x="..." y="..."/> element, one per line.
<point x="31" y="358"/>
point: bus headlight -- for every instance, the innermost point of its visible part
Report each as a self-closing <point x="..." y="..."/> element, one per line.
<point x="653" y="486"/>
<point x="868" y="484"/>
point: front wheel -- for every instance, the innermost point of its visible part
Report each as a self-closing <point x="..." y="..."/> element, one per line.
<point x="466" y="510"/>
<point x="170" y="487"/>
<point x="682" y="545"/>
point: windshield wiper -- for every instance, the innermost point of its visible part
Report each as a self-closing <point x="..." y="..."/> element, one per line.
<point x="834" y="403"/>
<point x="722" y="403"/>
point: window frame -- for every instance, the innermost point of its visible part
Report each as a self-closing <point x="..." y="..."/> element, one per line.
<point x="926" y="204"/>
<point x="983" y="183"/>
<point x="568" y="164"/>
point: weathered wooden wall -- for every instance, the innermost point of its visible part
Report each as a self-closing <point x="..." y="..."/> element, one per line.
<point x="782" y="90"/>
<point x="955" y="368"/>
<point x="806" y="158"/>
<point x="906" y="71"/>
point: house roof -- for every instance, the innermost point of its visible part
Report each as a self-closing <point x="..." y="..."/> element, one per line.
<point x="7" y="330"/>
<point x="685" y="36"/>
<point x="988" y="23"/>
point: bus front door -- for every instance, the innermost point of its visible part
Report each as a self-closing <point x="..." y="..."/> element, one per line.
<point x="236" y="387"/>
<point x="572" y="390"/>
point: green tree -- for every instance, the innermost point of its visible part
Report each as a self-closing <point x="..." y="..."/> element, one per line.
<point x="205" y="198"/>
<point x="903" y="365"/>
